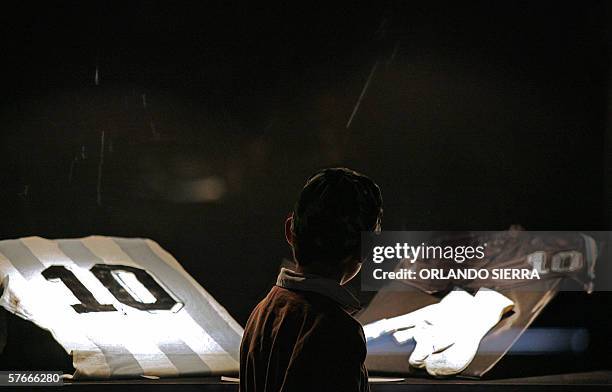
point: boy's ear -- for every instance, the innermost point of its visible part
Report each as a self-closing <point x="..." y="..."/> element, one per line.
<point x="289" y="230"/>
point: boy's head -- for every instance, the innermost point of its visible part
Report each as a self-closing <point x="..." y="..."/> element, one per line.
<point x="334" y="207"/>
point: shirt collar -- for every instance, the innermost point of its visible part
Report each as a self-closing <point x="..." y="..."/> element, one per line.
<point x="317" y="284"/>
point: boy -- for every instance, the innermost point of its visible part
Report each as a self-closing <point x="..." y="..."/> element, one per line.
<point x="302" y="336"/>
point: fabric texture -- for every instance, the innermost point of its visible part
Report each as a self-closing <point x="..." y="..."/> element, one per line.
<point x="446" y="334"/>
<point x="308" y="282"/>
<point x="448" y="344"/>
<point x="540" y="250"/>
<point x="121" y="307"/>
<point x="514" y="249"/>
<point x="301" y="339"/>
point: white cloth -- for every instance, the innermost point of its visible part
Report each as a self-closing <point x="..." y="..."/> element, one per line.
<point x="122" y="336"/>
<point x="463" y="334"/>
<point x="448" y="333"/>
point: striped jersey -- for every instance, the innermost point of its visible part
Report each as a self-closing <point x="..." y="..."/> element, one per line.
<point x="121" y="307"/>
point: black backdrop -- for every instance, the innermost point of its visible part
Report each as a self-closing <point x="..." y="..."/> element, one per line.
<point x="195" y="124"/>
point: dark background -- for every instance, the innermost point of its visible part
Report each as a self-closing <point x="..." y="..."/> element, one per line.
<point x="205" y="119"/>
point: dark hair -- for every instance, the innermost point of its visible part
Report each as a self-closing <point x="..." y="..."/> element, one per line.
<point x="335" y="206"/>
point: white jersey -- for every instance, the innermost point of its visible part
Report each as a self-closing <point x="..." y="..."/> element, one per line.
<point x="121" y="307"/>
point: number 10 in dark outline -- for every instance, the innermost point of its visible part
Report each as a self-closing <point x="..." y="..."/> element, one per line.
<point x="103" y="272"/>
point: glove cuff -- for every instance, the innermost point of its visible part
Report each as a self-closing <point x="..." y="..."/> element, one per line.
<point x="490" y="307"/>
<point x="457" y="298"/>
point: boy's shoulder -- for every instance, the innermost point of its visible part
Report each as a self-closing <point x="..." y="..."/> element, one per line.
<point x="310" y="306"/>
<point x="304" y="319"/>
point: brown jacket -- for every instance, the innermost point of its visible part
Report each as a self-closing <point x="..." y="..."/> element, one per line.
<point x="297" y="340"/>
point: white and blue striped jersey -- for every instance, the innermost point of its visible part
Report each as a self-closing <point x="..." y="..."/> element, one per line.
<point x="121" y="307"/>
